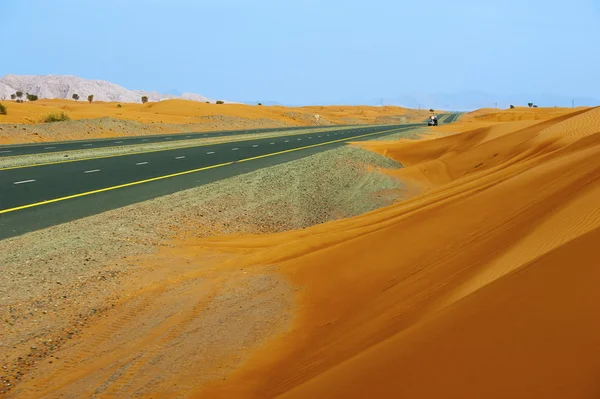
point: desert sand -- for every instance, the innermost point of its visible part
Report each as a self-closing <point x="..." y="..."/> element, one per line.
<point x="23" y="123"/>
<point x="482" y="284"/>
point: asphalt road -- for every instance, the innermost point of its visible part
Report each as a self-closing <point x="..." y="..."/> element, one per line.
<point x="45" y="148"/>
<point x="36" y="197"/>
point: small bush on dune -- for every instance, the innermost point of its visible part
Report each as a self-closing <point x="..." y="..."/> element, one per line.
<point x="3" y="110"/>
<point x="220" y="102"/>
<point x="13" y="96"/>
<point x="75" y="97"/>
<point x="63" y="116"/>
<point x="32" y="97"/>
<point x="144" y="100"/>
<point x="512" y="107"/>
<point x="119" y="106"/>
<point x="91" y="98"/>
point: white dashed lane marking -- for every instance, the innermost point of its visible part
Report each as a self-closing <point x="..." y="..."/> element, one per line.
<point x="235" y="149"/>
<point x="255" y="145"/>
<point x="211" y="152"/>
<point x="92" y="171"/>
<point x="24" y="181"/>
<point x="87" y="145"/>
<point x="49" y="148"/>
<point x="179" y="157"/>
<point x="118" y="142"/>
<point x="142" y="163"/>
<point x="287" y="141"/>
<point x="5" y="151"/>
<point x="271" y="143"/>
<point x="145" y="139"/>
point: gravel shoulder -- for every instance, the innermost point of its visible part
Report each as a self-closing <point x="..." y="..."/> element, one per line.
<point x="56" y="281"/>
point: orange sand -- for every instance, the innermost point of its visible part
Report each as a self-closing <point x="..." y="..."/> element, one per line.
<point x="181" y="111"/>
<point x="482" y="285"/>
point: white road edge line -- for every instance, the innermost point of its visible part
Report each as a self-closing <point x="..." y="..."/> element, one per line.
<point x="141" y="163"/>
<point x="24" y="181"/>
<point x="92" y="171"/>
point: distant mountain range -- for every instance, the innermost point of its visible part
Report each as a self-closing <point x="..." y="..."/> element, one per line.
<point x="61" y="86"/>
<point x="461" y="101"/>
<point x="472" y="100"/>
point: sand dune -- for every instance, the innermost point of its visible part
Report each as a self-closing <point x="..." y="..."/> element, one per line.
<point x="481" y="285"/>
<point x="184" y="111"/>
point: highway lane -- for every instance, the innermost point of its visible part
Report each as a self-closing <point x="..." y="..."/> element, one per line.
<point x="452" y="118"/>
<point x="35" y="197"/>
<point x="44" y="148"/>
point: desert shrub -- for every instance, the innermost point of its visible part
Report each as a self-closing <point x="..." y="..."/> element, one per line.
<point x="220" y="102"/>
<point x="13" y="96"/>
<point x="144" y="100"/>
<point x="3" y="110"/>
<point x="19" y="94"/>
<point x="91" y="98"/>
<point x="530" y="105"/>
<point x="208" y="102"/>
<point x="75" y="97"/>
<point x="512" y="107"/>
<point x="63" y="116"/>
<point x="119" y="106"/>
<point x="535" y="106"/>
<point x="431" y="110"/>
<point x="31" y="97"/>
<point x="259" y="103"/>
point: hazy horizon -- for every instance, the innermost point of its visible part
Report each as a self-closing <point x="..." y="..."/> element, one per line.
<point x="314" y="53"/>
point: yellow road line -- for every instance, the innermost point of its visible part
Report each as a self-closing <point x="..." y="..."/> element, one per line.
<point x="151" y="151"/>
<point x="135" y="183"/>
<point x="112" y="188"/>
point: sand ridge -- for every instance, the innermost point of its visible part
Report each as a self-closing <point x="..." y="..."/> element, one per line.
<point x="448" y="293"/>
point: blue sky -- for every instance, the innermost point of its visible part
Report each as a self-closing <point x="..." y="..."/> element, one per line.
<point x="310" y="51"/>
